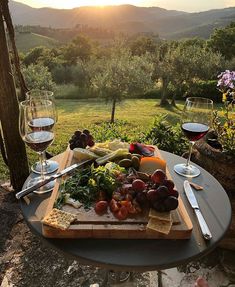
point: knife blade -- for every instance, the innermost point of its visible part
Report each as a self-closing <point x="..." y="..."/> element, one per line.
<point x="67" y="170"/>
<point x="194" y="204"/>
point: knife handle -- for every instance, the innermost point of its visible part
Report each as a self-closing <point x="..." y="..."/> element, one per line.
<point x="203" y="225"/>
<point x="30" y="189"/>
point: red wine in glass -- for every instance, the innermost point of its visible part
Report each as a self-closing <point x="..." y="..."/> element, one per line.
<point x="39" y="140"/>
<point x="49" y="166"/>
<point x="45" y="124"/>
<point x="194" y="131"/>
<point x="195" y="122"/>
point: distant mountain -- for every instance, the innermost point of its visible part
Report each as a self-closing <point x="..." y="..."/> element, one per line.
<point x="127" y="19"/>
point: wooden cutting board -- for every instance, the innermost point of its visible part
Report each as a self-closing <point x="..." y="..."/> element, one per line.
<point x="91" y="225"/>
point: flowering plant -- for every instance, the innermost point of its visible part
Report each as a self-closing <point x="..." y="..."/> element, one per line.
<point x="225" y="126"/>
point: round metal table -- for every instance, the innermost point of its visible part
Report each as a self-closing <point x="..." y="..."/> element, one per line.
<point x="145" y="254"/>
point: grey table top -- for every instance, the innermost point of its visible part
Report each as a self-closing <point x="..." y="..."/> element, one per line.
<point x="145" y="254"/>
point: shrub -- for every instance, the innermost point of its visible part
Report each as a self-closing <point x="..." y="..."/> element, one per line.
<point x="38" y="77"/>
<point x="166" y="136"/>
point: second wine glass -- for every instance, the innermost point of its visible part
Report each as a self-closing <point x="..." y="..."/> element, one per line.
<point x="36" y="125"/>
<point x="49" y="166"/>
<point x="195" y="122"/>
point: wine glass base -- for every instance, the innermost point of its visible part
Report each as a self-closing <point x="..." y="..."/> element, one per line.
<point x="187" y="171"/>
<point x="43" y="189"/>
<point x="50" y="167"/>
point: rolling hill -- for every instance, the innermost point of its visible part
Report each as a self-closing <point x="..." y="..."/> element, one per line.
<point x="126" y="18"/>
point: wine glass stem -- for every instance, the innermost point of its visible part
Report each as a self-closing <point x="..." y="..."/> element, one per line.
<point x="44" y="158"/>
<point x="41" y="158"/>
<point x="190" y="153"/>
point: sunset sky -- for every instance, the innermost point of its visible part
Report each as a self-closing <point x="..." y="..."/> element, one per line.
<point x="183" y="5"/>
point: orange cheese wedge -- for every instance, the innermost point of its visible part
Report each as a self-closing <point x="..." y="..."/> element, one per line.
<point x="150" y="164"/>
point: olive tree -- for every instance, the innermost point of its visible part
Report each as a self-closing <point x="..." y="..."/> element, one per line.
<point x="122" y="74"/>
<point x="183" y="64"/>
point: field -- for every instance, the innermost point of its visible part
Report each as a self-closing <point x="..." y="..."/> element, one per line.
<point x="27" y="41"/>
<point x="136" y="117"/>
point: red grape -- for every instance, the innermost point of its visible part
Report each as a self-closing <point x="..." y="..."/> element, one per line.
<point x="138" y="185"/>
<point x="169" y="184"/>
<point x="162" y="191"/>
<point x="152" y="195"/>
<point x="158" y="176"/>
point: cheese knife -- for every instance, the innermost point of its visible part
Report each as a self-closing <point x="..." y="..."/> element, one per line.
<point x="67" y="170"/>
<point x="194" y="204"/>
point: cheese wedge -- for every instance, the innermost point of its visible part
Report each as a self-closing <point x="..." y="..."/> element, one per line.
<point x="150" y="164"/>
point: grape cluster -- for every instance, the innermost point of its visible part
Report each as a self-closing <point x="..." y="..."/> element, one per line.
<point x="81" y="139"/>
<point x="159" y="192"/>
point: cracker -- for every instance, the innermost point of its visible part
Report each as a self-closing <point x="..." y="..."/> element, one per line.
<point x="164" y="216"/>
<point x="159" y="225"/>
<point x="59" y="219"/>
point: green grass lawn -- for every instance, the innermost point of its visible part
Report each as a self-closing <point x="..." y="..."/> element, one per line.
<point x="137" y="114"/>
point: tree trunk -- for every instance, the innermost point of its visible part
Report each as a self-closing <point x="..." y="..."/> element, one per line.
<point x="173" y="101"/>
<point x="16" y="59"/>
<point x="164" y="101"/>
<point x="113" y="110"/>
<point x="9" y="115"/>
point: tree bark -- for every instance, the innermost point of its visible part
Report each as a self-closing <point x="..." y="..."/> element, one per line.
<point x="113" y="110"/>
<point x="9" y="116"/>
<point x="11" y="32"/>
<point x="164" y="101"/>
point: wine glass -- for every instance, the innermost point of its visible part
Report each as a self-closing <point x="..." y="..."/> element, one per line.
<point x="195" y="121"/>
<point x="36" y="122"/>
<point x="49" y="166"/>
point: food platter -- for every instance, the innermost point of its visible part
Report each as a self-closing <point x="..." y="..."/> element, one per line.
<point x="90" y="225"/>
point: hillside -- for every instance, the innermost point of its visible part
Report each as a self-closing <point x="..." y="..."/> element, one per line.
<point x="27" y="41"/>
<point x="127" y="19"/>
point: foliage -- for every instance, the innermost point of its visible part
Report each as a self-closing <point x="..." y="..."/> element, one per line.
<point x="122" y="74"/>
<point x="184" y="63"/>
<point x="142" y="45"/>
<point x="38" y="77"/>
<point x="225" y="126"/>
<point x="166" y="136"/>
<point x="223" y="41"/>
<point x="79" y="49"/>
<point x="110" y="131"/>
<point x="49" y="58"/>
<point x="63" y="74"/>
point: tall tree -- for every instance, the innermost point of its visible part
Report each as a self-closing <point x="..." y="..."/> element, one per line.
<point x="9" y="116"/>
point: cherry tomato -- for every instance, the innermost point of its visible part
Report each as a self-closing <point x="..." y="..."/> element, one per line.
<point x="122" y="213"/>
<point x="101" y="207"/>
<point x="113" y="205"/>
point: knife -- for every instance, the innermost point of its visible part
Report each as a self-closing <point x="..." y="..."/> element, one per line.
<point x="193" y="202"/>
<point x="30" y="189"/>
